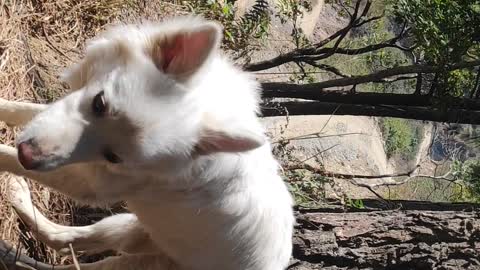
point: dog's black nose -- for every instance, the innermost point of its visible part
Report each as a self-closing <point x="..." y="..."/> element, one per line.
<point x="26" y="154"/>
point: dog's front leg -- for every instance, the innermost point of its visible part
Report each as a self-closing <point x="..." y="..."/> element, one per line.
<point x="121" y="232"/>
<point x="19" y="113"/>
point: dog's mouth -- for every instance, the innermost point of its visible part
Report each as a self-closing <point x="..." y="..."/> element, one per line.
<point x="44" y="163"/>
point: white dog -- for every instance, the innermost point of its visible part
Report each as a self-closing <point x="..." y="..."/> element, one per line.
<point x="159" y="119"/>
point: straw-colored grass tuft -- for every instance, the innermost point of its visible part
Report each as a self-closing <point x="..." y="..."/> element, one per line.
<point x="19" y="79"/>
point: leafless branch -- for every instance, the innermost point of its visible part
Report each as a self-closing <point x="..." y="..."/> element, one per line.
<point x="317" y="135"/>
<point x="412" y="174"/>
<point x="304" y="166"/>
<point x="328" y="68"/>
<point x="396" y="79"/>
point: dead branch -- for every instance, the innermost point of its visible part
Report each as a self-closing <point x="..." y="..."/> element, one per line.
<point x="304" y="166"/>
<point x="412" y="174"/>
<point x="328" y="68"/>
<point x="316" y="135"/>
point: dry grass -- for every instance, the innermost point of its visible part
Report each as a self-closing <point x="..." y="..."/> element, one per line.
<point x="17" y="82"/>
<point x="22" y="78"/>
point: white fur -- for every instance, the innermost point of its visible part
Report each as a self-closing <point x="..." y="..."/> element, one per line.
<point x="225" y="209"/>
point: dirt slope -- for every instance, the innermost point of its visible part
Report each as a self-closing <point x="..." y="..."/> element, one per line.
<point x="341" y="144"/>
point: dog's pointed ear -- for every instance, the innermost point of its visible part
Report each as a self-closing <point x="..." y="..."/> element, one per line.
<point x="182" y="53"/>
<point x="215" y="140"/>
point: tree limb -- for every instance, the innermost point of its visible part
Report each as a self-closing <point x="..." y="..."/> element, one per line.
<point x="304" y="166"/>
<point x="413" y="173"/>
<point x="327" y="52"/>
<point x="376" y="99"/>
<point x="310" y="54"/>
<point x="328" y="68"/>
<point x="373" y="77"/>
<point x="410" y="177"/>
<point x="316" y="51"/>
<point x="291" y="108"/>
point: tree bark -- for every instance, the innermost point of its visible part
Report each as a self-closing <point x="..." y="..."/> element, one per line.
<point x="368" y="98"/>
<point x="393" y="235"/>
<point x="373" y="77"/>
<point x="449" y="115"/>
<point x="419" y="236"/>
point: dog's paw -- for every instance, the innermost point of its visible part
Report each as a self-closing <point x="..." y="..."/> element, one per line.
<point x="18" y="193"/>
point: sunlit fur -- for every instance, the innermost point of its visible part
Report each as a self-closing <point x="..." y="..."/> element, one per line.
<point x="216" y="210"/>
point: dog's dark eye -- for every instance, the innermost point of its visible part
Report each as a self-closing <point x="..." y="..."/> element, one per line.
<point x="99" y="105"/>
<point x="111" y="157"/>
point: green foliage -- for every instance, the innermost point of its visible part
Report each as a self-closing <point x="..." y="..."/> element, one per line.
<point x="461" y="193"/>
<point x="459" y="82"/>
<point x="308" y="190"/>
<point x="375" y="32"/>
<point x="444" y="29"/>
<point x="424" y="189"/>
<point x="469" y="174"/>
<point x="400" y="137"/>
<point x="291" y="11"/>
<point x="238" y="33"/>
<point x="355" y="203"/>
<point x="444" y="32"/>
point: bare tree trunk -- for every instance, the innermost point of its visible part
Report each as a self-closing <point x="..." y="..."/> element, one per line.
<point x="459" y="116"/>
<point x="419" y="236"/>
<point x="393" y="235"/>
<point x="376" y="99"/>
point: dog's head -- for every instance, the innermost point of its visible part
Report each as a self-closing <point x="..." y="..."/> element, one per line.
<point x="136" y="102"/>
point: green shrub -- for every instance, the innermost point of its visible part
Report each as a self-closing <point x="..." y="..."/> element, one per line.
<point x="400" y="136"/>
<point x="468" y="173"/>
<point x="307" y="189"/>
